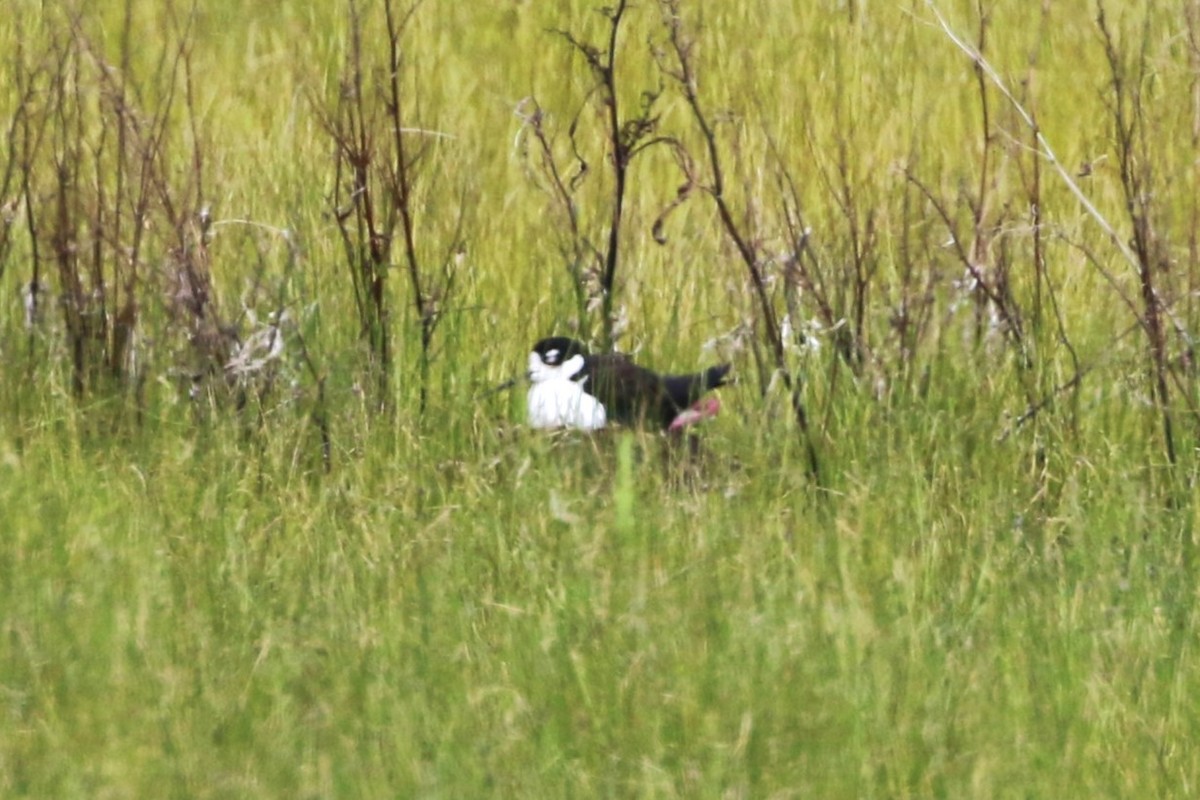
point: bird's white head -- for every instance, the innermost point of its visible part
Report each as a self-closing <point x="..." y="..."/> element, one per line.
<point x="556" y="358"/>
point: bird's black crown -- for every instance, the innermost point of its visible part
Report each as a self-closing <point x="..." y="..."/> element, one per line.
<point x="554" y="350"/>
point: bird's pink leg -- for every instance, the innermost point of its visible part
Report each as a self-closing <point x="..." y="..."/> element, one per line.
<point x="702" y="409"/>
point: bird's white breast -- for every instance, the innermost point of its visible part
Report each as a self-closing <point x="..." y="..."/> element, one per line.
<point x="561" y="403"/>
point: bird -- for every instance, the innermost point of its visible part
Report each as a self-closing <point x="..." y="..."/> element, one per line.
<point x="572" y="388"/>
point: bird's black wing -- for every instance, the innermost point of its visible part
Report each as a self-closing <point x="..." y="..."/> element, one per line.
<point x="634" y="395"/>
<point x="630" y="394"/>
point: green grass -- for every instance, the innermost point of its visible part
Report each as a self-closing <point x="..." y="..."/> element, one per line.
<point x="544" y="618"/>
<point x="190" y="606"/>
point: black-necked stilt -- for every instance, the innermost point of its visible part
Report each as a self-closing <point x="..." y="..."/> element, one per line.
<point x="575" y="389"/>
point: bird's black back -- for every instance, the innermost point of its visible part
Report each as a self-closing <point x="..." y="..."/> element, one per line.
<point x="634" y="395"/>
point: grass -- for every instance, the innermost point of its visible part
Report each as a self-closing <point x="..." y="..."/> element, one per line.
<point x="531" y="619"/>
<point x="191" y="606"/>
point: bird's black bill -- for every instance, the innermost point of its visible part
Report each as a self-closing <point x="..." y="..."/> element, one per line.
<point x="508" y="384"/>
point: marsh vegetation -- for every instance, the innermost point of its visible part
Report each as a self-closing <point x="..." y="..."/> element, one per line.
<point x="267" y="532"/>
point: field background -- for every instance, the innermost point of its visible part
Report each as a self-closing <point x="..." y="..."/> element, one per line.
<point x="988" y="589"/>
